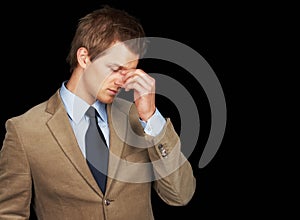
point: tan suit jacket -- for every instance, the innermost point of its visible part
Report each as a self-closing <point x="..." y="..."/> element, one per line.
<point x="41" y="164"/>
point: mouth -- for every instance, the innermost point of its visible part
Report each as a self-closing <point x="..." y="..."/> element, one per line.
<point x="113" y="91"/>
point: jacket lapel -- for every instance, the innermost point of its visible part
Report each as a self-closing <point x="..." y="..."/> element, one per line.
<point x="123" y="121"/>
<point x="116" y="140"/>
<point x="61" y="129"/>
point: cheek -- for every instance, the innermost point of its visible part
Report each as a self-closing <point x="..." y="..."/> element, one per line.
<point x="107" y="83"/>
<point x="94" y="78"/>
<point x="112" y="78"/>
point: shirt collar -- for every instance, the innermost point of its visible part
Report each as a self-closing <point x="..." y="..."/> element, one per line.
<point x="76" y="107"/>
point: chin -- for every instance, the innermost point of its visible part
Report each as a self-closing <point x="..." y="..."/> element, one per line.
<point x="106" y="100"/>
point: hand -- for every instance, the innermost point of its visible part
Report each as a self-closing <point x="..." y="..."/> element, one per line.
<point x="144" y="91"/>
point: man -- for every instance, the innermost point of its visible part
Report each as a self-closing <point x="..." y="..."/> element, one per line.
<point x="47" y="160"/>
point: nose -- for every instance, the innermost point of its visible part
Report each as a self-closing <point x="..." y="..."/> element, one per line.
<point x="118" y="79"/>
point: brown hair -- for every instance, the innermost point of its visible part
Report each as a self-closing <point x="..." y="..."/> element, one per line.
<point x="99" y="29"/>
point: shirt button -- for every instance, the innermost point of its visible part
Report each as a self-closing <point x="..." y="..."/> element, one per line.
<point x="107" y="202"/>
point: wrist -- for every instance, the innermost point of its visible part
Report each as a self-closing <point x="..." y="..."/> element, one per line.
<point x="145" y="116"/>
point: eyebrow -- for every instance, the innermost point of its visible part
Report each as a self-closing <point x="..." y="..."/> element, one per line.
<point x="117" y="66"/>
<point x="114" y="64"/>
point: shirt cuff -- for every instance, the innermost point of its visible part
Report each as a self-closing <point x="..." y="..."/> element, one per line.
<point x="155" y="124"/>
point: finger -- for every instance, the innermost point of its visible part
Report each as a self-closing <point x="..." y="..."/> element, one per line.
<point x="137" y="79"/>
<point x="135" y="86"/>
<point x="131" y="72"/>
<point x="139" y="92"/>
<point x="142" y="77"/>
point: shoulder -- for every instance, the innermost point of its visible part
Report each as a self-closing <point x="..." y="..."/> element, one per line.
<point x="126" y="107"/>
<point x="122" y="107"/>
<point x="40" y="112"/>
<point x="33" y="114"/>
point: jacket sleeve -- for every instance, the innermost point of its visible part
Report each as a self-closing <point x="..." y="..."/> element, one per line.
<point x="174" y="179"/>
<point x="15" y="177"/>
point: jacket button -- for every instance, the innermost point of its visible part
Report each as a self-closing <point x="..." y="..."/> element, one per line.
<point x="107" y="202"/>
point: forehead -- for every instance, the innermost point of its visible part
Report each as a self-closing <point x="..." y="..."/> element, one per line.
<point x="120" y="55"/>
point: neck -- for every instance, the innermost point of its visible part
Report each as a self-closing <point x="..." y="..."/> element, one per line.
<point x="77" y="86"/>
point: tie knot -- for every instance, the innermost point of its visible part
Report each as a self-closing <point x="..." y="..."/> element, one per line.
<point x="91" y="112"/>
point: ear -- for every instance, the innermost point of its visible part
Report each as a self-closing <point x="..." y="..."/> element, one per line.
<point x="82" y="57"/>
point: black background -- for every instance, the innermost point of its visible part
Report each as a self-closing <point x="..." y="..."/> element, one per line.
<point x="35" y="42"/>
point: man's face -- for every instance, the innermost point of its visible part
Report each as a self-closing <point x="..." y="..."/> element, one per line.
<point x="103" y="78"/>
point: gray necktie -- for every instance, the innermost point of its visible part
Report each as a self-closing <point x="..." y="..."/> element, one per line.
<point x="96" y="150"/>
